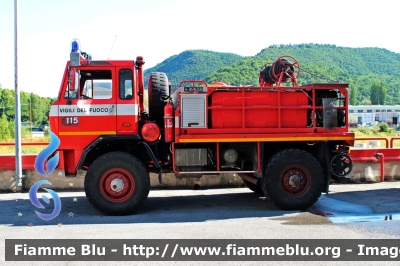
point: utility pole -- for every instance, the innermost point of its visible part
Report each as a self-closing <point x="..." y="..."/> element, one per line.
<point x="30" y="113"/>
<point x="18" y="157"/>
<point x="2" y="102"/>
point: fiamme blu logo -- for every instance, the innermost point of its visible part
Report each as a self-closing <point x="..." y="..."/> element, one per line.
<point x="44" y="165"/>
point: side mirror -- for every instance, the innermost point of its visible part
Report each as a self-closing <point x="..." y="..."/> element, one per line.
<point x="72" y="78"/>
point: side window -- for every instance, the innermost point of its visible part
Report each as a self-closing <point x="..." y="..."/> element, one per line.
<point x="125" y="84"/>
<point x="88" y="89"/>
<point x="96" y="84"/>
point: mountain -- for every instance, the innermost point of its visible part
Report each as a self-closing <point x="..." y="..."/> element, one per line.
<point x="359" y="67"/>
<point x="192" y="64"/>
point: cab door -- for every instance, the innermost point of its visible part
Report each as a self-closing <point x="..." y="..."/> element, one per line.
<point x="89" y="110"/>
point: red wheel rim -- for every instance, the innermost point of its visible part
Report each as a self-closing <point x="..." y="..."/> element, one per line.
<point x="117" y="185"/>
<point x="295" y="181"/>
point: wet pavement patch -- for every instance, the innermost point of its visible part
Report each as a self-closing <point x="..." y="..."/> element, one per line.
<point x="303" y="218"/>
<point x="365" y="218"/>
<point x="339" y="209"/>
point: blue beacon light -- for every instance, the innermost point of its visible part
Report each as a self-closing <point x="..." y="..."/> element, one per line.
<point x="75" y="46"/>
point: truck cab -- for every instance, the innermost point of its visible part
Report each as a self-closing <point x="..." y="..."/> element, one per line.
<point x="97" y="99"/>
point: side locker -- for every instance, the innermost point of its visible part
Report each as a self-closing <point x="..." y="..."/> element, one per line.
<point x="193" y="110"/>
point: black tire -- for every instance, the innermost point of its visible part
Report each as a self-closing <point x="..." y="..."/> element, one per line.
<point x="256" y="188"/>
<point x="294" y="179"/>
<point x="158" y="92"/>
<point x="117" y="183"/>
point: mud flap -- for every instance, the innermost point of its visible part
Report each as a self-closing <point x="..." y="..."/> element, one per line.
<point x="327" y="169"/>
<point x="160" y="177"/>
<point x="154" y="158"/>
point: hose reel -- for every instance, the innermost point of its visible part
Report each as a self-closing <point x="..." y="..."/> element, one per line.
<point x="285" y="69"/>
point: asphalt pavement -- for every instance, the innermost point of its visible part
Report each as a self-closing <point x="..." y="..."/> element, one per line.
<point x="362" y="211"/>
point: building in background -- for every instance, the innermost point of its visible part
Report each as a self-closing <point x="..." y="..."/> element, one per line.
<point x="368" y="115"/>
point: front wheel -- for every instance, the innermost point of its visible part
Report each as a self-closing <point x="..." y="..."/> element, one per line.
<point x="117" y="183"/>
<point x="293" y="180"/>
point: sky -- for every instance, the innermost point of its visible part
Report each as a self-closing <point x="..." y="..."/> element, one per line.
<point x="158" y="29"/>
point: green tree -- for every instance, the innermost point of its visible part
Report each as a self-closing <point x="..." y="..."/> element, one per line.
<point x="378" y="93"/>
<point x="30" y="102"/>
<point x="8" y="97"/>
<point x="4" y="128"/>
<point x="353" y="95"/>
<point x="192" y="64"/>
<point x="2" y="110"/>
<point x="25" y="105"/>
<point x="39" y="109"/>
<point x="384" y="127"/>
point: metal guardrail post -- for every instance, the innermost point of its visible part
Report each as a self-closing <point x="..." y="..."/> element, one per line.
<point x="381" y="157"/>
<point x="392" y="141"/>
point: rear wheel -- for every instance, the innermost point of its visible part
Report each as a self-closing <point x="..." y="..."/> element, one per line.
<point x="117" y="183"/>
<point x="158" y="93"/>
<point x="293" y="179"/>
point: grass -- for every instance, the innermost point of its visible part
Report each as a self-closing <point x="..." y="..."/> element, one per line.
<point x="373" y="132"/>
<point x="25" y="149"/>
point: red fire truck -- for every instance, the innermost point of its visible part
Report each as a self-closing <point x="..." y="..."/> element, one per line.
<point x="284" y="140"/>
